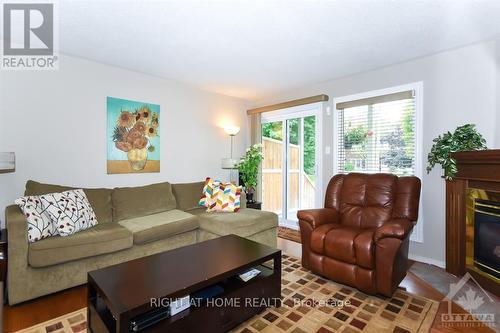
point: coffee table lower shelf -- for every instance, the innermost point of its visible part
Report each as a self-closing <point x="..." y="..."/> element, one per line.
<point x="239" y="302"/>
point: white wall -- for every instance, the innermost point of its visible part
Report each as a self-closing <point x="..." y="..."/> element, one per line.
<point x="459" y="87"/>
<point x="55" y="122"/>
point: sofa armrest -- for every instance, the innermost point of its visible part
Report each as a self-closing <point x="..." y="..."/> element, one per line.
<point x="317" y="217"/>
<point x="17" y="233"/>
<point x="18" y="278"/>
<point x="243" y="200"/>
<point x="397" y="228"/>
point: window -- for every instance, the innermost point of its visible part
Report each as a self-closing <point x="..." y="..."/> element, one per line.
<point x="377" y="134"/>
<point x="379" y="131"/>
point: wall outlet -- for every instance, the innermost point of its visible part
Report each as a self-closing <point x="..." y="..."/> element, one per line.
<point x="327" y="150"/>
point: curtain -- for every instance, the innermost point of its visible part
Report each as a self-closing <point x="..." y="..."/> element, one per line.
<point x="255" y="128"/>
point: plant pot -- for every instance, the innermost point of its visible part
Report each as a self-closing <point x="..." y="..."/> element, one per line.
<point x="138" y="158"/>
<point x="249" y="196"/>
<point x="347" y="145"/>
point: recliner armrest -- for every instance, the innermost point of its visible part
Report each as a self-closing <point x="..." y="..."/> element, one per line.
<point x="317" y="217"/>
<point x="397" y="228"/>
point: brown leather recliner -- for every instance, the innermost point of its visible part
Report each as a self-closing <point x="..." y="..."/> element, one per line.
<point x="361" y="237"/>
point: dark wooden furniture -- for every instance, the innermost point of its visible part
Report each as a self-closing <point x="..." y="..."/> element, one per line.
<point x="119" y="293"/>
<point x="255" y="205"/>
<point x="3" y="265"/>
<point x="476" y="170"/>
<point x="3" y="256"/>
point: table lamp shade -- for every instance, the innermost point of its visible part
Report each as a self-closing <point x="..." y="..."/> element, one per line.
<point x="232" y="130"/>
<point x="229" y="163"/>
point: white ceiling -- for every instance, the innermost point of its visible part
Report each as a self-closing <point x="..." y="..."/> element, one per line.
<point x="253" y="49"/>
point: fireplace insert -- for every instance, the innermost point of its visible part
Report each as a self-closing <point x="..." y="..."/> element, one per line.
<point x="487" y="236"/>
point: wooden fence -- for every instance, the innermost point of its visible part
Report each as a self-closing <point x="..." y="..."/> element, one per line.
<point x="272" y="179"/>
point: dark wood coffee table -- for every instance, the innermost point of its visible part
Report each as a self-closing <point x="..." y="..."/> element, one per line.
<point x="119" y="293"/>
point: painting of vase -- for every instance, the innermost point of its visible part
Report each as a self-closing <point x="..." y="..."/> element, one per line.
<point x="133" y="131"/>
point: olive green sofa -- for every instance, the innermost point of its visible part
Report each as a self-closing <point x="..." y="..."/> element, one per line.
<point x="133" y="222"/>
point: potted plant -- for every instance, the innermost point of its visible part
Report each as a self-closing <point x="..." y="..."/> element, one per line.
<point x="464" y="138"/>
<point x="355" y="136"/>
<point x="248" y="167"/>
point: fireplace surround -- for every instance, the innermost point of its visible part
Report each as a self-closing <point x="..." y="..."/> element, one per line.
<point x="472" y="218"/>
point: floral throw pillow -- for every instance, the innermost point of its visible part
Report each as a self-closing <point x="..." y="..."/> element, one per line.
<point x="70" y="211"/>
<point x="40" y="225"/>
<point x="210" y="191"/>
<point x="227" y="200"/>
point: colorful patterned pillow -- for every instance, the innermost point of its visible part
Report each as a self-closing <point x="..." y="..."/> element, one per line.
<point x="228" y="199"/>
<point x="40" y="225"/>
<point x="210" y="191"/>
<point x="70" y="211"/>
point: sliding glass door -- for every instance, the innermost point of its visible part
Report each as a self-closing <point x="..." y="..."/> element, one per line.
<point x="272" y="167"/>
<point x="301" y="165"/>
<point x="291" y="163"/>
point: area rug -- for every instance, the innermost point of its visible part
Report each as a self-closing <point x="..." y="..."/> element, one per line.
<point x="290" y="234"/>
<point x="74" y="322"/>
<point x="311" y="304"/>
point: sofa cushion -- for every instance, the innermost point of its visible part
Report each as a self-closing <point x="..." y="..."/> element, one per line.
<point x="70" y="211"/>
<point x="350" y="245"/>
<point x="99" y="198"/>
<point x="339" y="244"/>
<point x="40" y="225"/>
<point x="367" y="199"/>
<point x="160" y="226"/>
<point x="244" y="223"/>
<point x="318" y="236"/>
<point x="130" y="202"/>
<point x="228" y="199"/>
<point x="210" y="192"/>
<point x="188" y="195"/>
<point x="101" y="239"/>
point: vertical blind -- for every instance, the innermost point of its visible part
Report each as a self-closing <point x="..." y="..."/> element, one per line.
<point x="377" y="134"/>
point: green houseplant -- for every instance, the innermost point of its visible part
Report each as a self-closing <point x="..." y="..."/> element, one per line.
<point x="464" y="138"/>
<point x="248" y="167"/>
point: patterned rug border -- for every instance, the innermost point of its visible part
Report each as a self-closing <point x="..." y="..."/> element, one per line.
<point x="429" y="319"/>
<point x="44" y="327"/>
<point x="368" y="311"/>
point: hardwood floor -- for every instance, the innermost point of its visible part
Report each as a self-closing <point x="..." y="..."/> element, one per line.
<point x="42" y="309"/>
<point x="37" y="311"/>
<point x="415" y="285"/>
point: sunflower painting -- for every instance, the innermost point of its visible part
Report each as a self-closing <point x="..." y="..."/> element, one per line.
<point x="133" y="136"/>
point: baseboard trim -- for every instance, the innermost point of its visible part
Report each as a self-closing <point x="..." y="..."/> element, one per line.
<point x="426" y="260"/>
